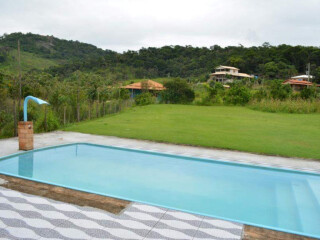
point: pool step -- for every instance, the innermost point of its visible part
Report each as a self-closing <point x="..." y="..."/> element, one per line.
<point x="308" y="208"/>
<point x="315" y="188"/>
<point x="287" y="216"/>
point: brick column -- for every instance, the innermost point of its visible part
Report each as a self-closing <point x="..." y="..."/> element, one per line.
<point x="25" y="133"/>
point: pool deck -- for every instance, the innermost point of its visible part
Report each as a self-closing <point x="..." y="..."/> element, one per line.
<point x="25" y="216"/>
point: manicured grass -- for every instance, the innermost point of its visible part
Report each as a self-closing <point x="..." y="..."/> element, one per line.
<point x="238" y="128"/>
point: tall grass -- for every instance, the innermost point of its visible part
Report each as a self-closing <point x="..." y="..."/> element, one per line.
<point x="286" y="106"/>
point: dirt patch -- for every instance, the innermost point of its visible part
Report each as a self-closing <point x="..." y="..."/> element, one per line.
<point x="79" y="198"/>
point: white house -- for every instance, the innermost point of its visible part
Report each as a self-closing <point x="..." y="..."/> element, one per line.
<point x="227" y="74"/>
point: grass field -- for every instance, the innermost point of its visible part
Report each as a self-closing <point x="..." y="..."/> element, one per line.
<point x="238" y="128"/>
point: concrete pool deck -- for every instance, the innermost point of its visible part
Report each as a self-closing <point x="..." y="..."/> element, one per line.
<point x="33" y="217"/>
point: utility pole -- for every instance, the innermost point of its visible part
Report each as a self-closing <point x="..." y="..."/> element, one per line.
<point x="308" y="67"/>
<point x="19" y="79"/>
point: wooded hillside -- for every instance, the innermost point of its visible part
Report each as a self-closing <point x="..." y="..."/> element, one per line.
<point x="265" y="61"/>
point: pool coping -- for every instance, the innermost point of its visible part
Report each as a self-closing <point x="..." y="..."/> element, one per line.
<point x="67" y="195"/>
<point x="281" y="169"/>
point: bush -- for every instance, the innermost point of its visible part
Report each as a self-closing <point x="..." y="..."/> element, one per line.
<point x="47" y="123"/>
<point x="203" y="101"/>
<point x="6" y="124"/>
<point x="177" y="91"/>
<point x="238" y="95"/>
<point x="7" y="130"/>
<point x="280" y="91"/>
<point x="288" y="106"/>
<point x="308" y="93"/>
<point x="121" y="93"/>
<point x="260" y="94"/>
<point x="144" y="99"/>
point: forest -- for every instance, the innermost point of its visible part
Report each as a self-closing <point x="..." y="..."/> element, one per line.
<point x="265" y="61"/>
<point x="82" y="81"/>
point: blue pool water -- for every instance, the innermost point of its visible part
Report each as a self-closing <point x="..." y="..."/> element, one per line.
<point x="268" y="197"/>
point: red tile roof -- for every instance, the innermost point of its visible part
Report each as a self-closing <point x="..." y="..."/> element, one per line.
<point x="297" y="82"/>
<point x="152" y="85"/>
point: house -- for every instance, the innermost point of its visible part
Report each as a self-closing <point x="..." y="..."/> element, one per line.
<point x="298" y="85"/>
<point x="148" y="85"/>
<point x="300" y="82"/>
<point x="227" y="74"/>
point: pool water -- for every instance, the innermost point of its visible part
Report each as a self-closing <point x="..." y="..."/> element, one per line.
<point x="278" y="199"/>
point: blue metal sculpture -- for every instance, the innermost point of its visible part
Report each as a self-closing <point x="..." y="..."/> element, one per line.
<point x="25" y="105"/>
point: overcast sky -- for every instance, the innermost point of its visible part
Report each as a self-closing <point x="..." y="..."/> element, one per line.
<point x="131" y="24"/>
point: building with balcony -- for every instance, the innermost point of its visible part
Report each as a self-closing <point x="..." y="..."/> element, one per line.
<point x="227" y="74"/>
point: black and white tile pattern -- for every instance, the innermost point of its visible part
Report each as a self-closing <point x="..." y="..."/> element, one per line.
<point x="24" y="216"/>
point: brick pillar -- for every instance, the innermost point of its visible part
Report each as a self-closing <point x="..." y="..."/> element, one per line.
<point x="25" y="133"/>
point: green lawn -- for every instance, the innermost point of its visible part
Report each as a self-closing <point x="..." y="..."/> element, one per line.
<point x="238" y="128"/>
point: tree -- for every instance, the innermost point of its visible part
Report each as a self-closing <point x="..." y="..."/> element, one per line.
<point x="317" y="75"/>
<point x="238" y="95"/>
<point x="105" y="94"/>
<point x="309" y="92"/>
<point x="280" y="91"/>
<point x="177" y="91"/>
<point x="145" y="98"/>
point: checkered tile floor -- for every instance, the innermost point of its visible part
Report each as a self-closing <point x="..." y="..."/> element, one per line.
<point x="24" y="216"/>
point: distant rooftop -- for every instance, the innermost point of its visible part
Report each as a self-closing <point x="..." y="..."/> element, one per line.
<point x="226" y="67"/>
<point x="297" y="82"/>
<point x="151" y="85"/>
<point x="301" y="77"/>
<point x="244" y="75"/>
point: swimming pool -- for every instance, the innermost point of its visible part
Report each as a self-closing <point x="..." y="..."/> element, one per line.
<point x="278" y="199"/>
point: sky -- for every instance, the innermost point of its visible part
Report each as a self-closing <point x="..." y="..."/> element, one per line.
<point x="122" y="25"/>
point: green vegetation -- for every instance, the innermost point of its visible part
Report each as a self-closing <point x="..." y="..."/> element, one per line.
<point x="238" y="128"/>
<point x="145" y="98"/>
<point x="29" y="61"/>
<point x="272" y="96"/>
<point x="51" y="47"/>
<point x="192" y="63"/>
<point x="287" y="106"/>
<point x="177" y="91"/>
<point x="83" y="82"/>
<point x="79" y="97"/>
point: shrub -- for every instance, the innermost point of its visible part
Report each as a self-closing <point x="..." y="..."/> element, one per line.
<point x="6" y="124"/>
<point x="121" y="93"/>
<point x="145" y="98"/>
<point x="260" y="94"/>
<point x="280" y="91"/>
<point x="177" y="91"/>
<point x="7" y="130"/>
<point x="308" y="93"/>
<point x="218" y="99"/>
<point x="288" y="106"/>
<point x="203" y="101"/>
<point x="47" y="122"/>
<point x="238" y="95"/>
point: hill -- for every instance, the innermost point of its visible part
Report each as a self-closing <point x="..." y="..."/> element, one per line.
<point x="51" y="47"/>
<point x="29" y="61"/>
<point x="42" y="52"/>
<point x="64" y="57"/>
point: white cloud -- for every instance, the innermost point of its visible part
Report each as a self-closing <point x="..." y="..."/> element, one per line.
<point x="126" y="24"/>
